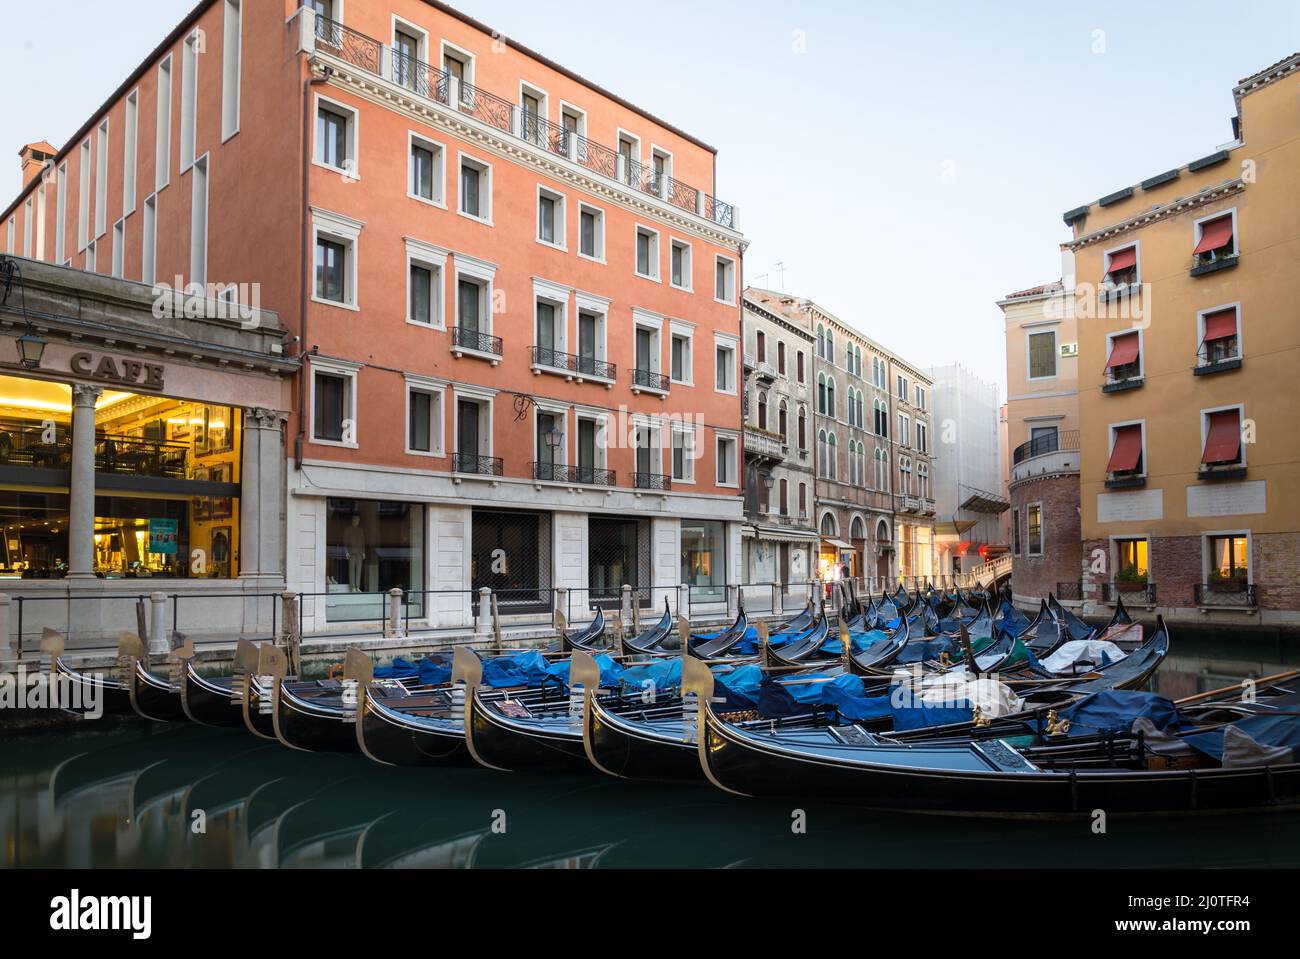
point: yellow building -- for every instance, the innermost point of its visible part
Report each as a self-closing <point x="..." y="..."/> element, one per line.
<point x="1186" y="292"/>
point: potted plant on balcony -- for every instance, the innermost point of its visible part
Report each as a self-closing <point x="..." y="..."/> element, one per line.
<point x="1130" y="580"/>
<point x="1233" y="581"/>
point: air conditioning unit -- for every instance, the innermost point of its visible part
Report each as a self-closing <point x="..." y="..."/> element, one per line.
<point x="1069" y="349"/>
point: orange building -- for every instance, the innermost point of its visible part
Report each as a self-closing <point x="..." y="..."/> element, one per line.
<point x="514" y="294"/>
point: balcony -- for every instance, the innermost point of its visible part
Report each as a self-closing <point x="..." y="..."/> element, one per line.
<point x="649" y="380"/>
<point x="484" y="345"/>
<point x="573" y="475"/>
<point x="1132" y="592"/>
<point x="1126" y="480"/>
<point x="427" y="82"/>
<point x="763" y="371"/>
<point x="573" y="367"/>
<point x="1231" y="593"/>
<point x="763" y="444"/>
<point x="1054" y="453"/>
<point x="22" y="443"/>
<point x="656" y="482"/>
<point x="927" y="506"/>
<point x="910" y="504"/>
<point x="472" y="464"/>
<point x="1210" y="263"/>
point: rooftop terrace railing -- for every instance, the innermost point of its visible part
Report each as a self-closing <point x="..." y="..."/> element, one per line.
<point x="429" y="81"/>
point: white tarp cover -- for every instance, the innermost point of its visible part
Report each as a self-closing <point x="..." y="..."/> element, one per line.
<point x="956" y="686"/>
<point x="1082" y="650"/>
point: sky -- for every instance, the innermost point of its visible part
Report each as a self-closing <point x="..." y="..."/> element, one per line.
<point x="908" y="164"/>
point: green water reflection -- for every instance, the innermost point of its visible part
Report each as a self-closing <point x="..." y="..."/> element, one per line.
<point x="128" y="795"/>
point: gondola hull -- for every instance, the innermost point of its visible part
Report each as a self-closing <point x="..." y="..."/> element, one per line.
<point x="629" y="750"/>
<point x="112" y="696"/>
<point x="393" y="738"/>
<point x="155" y="699"/>
<point x="302" y="724"/>
<point x="208" y="702"/>
<point x="502" y="742"/>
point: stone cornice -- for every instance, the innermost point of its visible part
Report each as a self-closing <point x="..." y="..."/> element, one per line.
<point x="369" y="87"/>
<point x="763" y="313"/>
<point x="1156" y="214"/>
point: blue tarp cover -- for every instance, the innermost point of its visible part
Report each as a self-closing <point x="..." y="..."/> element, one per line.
<point x="927" y="649"/>
<point x="665" y="675"/>
<point x="919" y="717"/>
<point x="1265" y="730"/>
<point x="1115" y="710"/>
<point x="430" y="671"/>
<point x="521" y="669"/>
<point x="610" y="671"/>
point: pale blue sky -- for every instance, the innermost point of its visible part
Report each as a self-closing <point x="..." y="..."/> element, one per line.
<point x="836" y="156"/>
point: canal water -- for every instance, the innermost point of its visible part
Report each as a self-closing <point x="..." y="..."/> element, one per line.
<point x="130" y="794"/>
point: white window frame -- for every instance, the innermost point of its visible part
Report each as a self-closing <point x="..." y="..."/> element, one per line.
<point x="1200" y="329"/>
<point x="149" y="242"/>
<point x="1109" y="252"/>
<point x="28" y="216"/>
<point x="730" y="300"/>
<point x="690" y="439"/>
<point x="682" y="331"/>
<point x="163" y="128"/>
<point x="351" y="169"/>
<point x="484" y="396"/>
<point x="1142" y="352"/>
<point x="434" y="259"/>
<point x="130" y="146"/>
<point x="189" y="99"/>
<point x="922" y="436"/>
<point x="1111" y="430"/>
<point x="1207" y="559"/>
<point x="485" y="186"/>
<point x="102" y="142"/>
<point x="601" y="419"/>
<point x="1198" y="229"/>
<point x="348" y="371"/>
<point x="727" y="342"/>
<point x="199" y="175"/>
<point x="92" y="265"/>
<point x="347" y="231"/>
<point x="655" y="255"/>
<point x="87" y="156"/>
<point x="599" y="307"/>
<point x="231" y="67"/>
<point x="60" y="215"/>
<point x="559" y="412"/>
<point x="732" y="439"/>
<point x="119" y="251"/>
<point x="556" y="296"/>
<point x="561" y="202"/>
<point x="421" y="41"/>
<point x="484" y="274"/>
<point x="12" y="235"/>
<point x="688" y="264"/>
<point x="599" y="238"/>
<point x="1030" y="332"/>
<point x="457" y="53"/>
<point x="437" y="423"/>
<point x="1205" y="434"/>
<point x="439" y="151"/>
<point x="904" y="429"/>
<point x="1113" y="550"/>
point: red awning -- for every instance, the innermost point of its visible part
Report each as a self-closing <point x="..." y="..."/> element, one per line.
<point x="1221" y="325"/>
<point x="1126" y="452"/>
<point x="1123" y="260"/>
<point x="1123" y="350"/>
<point x="1223" y="440"/>
<point x="1215" y="235"/>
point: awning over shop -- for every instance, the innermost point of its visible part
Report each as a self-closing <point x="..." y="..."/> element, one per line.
<point x="776" y="534"/>
<point x="836" y="543"/>
<point x="982" y="502"/>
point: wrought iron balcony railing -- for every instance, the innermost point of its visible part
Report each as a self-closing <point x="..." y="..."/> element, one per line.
<point x="1143" y="593"/>
<point x="648" y="379"/>
<point x="652" y="481"/>
<point x="579" y="365"/>
<point x="477" y="465"/>
<point x="577" y="475"/>
<point x="1049" y="443"/>
<point x="1070" y="592"/>
<point x="1228" y="592"/>
<point x="467" y="339"/>
<point x="429" y="81"/>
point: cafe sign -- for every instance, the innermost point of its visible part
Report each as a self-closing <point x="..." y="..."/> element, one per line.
<point x="106" y="369"/>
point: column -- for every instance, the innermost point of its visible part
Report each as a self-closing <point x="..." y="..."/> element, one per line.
<point x="81" y="500"/>
<point x="260" y="495"/>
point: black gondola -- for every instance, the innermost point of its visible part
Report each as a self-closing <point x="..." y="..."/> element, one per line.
<point x="649" y="640"/>
<point x="588" y="637"/>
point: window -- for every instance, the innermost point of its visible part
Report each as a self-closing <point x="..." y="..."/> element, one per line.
<point x="704" y="559"/>
<point x="60" y="216"/>
<point x="1220" y="335"/>
<point x="902" y="388"/>
<point x="1122" y="266"/>
<point x="460" y="67"/>
<point x="424" y="268"/>
<point x="799" y="372"/>
<point x="591" y="232"/>
<point x="369" y="548"/>
<point x="475" y="189"/>
<point x="1221" y="444"/>
<point x="189" y="98"/>
<point x="762" y="411"/>
<point x="1015" y="532"/>
<point x="90" y="257"/>
<point x="920" y="397"/>
<point x="684" y="456"/>
<point x="782" y="422"/>
<point x="904" y="430"/>
<point x="725" y="281"/>
<point x="149" y="252"/>
<point x="1127" y="459"/>
<point x="780" y="358"/>
<point x="922" y="438"/>
<point x="12" y="235"/>
<point x="882" y="470"/>
<point x="727" y="472"/>
<point x="335" y="266"/>
<point x="333" y="406"/>
<point x="1042" y="355"/>
<point x="199" y="221"/>
<point x="1124" y="361"/>
<point x="725" y="356"/>
<point x="1216" y="238"/>
<point x="423" y="419"/>
<point x="592" y="313"/>
<point x="1228" y="558"/>
<point x="230" y="55"/>
<point x="803" y="499"/>
<point x="101" y="181"/>
<point x="532" y="116"/>
<point x="905" y="476"/>
<point x="1132" y="560"/>
<point x="83" y="199"/>
<point x="1035" y="517"/>
<point x="647" y="253"/>
<point x="472" y="299"/>
<point x="785" y="497"/>
<point x="409" y="43"/>
<point x="681" y="264"/>
<point x="681" y="368"/>
<point x="336" y="137"/>
<point x="550" y="218"/>
<point x="163" y="130"/>
<point x="425" y="170"/>
<point x="922" y="480"/>
<point x="27" y="228"/>
<point x="119" y="239"/>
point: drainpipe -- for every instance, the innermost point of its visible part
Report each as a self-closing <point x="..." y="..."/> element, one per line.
<point x="305" y="271"/>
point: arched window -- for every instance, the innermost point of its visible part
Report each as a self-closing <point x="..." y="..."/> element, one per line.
<point x="882" y="532"/>
<point x="762" y="411"/>
<point x="905" y="476"/>
<point x="923" y="480"/>
<point x="857" y="360"/>
<point x="830" y="398"/>
<point x="799" y="365"/>
<point x="803" y="430"/>
<point x="821" y="453"/>
<point x="829" y="353"/>
<point x="821" y="340"/>
<point x="785" y="495"/>
<point x="821" y="393"/>
<point x="803" y="500"/>
<point x="760" y="346"/>
<point x="832" y="456"/>
<point x="828" y="527"/>
<point x="782" y="426"/>
<point x="857" y="530"/>
<point x="780" y="358"/>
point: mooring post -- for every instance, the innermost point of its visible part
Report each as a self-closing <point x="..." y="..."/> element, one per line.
<point x="158" y="645"/>
<point x="558" y="617"/>
<point x="484" y="611"/>
<point x="625" y="611"/>
<point x="394" y="625"/>
<point x="289" y="613"/>
<point x="684" y="600"/>
<point x="496" y="624"/>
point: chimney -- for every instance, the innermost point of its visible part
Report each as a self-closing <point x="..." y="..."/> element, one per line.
<point x="34" y="156"/>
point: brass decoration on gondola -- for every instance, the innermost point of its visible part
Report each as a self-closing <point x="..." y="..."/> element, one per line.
<point x="1056" y="726"/>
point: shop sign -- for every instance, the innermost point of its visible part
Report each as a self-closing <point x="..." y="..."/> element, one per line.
<point x="106" y="369"/>
<point x="162" y="536"/>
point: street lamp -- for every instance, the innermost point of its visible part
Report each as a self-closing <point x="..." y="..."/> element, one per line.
<point x="769" y="481"/>
<point x="30" y="346"/>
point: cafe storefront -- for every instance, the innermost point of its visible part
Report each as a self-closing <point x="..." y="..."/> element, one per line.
<point x="137" y="457"/>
